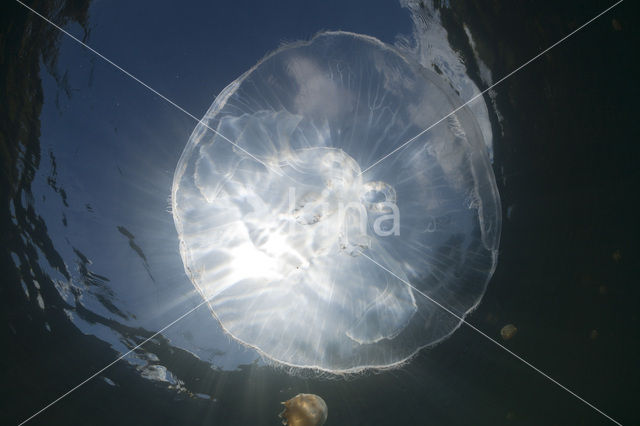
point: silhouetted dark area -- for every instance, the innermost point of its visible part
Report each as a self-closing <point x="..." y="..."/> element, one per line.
<point x="566" y="161"/>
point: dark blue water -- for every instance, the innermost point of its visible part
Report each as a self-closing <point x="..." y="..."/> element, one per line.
<point x="90" y="259"/>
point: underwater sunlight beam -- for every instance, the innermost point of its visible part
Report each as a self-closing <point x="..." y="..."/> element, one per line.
<point x="373" y="319"/>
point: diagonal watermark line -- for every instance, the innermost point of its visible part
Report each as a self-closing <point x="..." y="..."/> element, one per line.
<point x="146" y="86"/>
<point x="492" y="86"/>
<point x="482" y="333"/>
<point x="64" y="395"/>
<point x="278" y="173"/>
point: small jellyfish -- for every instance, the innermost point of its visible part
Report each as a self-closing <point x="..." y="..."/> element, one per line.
<point x="328" y="197"/>
<point x="616" y="255"/>
<point x="304" y="409"/>
<point x="508" y="331"/>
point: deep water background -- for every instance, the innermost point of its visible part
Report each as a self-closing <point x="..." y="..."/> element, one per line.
<point x="89" y="259"/>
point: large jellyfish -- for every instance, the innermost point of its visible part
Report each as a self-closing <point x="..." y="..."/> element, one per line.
<point x="304" y="244"/>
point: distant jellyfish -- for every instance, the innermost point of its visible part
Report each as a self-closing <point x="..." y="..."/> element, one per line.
<point x="304" y="409"/>
<point x="314" y="239"/>
<point x="508" y="331"/>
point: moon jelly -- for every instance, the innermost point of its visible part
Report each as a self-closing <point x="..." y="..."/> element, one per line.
<point x="305" y="246"/>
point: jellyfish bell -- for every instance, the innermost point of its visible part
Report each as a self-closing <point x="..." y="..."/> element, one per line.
<point x="308" y="248"/>
<point x="304" y="409"/>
